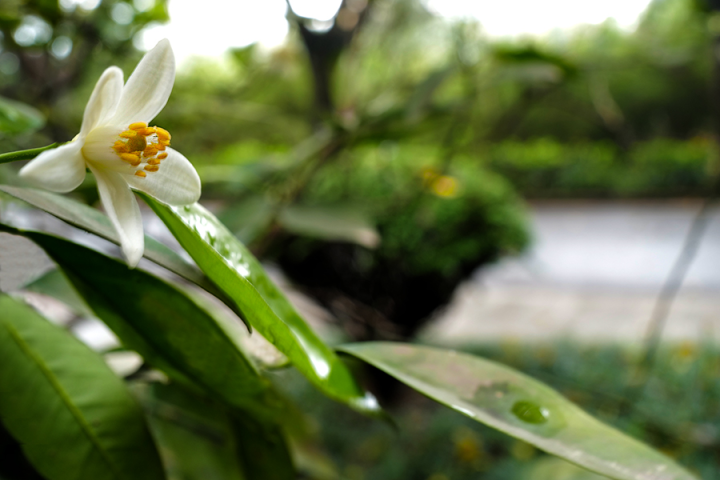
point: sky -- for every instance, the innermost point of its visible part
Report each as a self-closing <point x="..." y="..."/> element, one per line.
<point x="209" y="30"/>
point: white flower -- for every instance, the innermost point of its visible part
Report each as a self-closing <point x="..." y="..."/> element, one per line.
<point x="122" y="151"/>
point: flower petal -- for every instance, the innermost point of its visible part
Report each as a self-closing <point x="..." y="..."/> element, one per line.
<point x="104" y="99"/>
<point x="61" y="169"/>
<point x="175" y="183"/>
<point x="148" y="88"/>
<point x="123" y="210"/>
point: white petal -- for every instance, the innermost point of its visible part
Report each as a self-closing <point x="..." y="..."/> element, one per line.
<point x="104" y="99"/>
<point x="148" y="88"/>
<point x="175" y="183"/>
<point x="123" y="210"/>
<point x="61" y="169"/>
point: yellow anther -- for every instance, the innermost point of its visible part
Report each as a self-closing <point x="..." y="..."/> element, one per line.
<point x="138" y="126"/>
<point x="153" y="161"/>
<point x="162" y="134"/>
<point x="140" y="173"/>
<point x="163" y="142"/>
<point x="130" y="157"/>
<point x="160" y="146"/>
<point x="147" y="131"/>
<point x="120" y="149"/>
<point x="152" y="168"/>
<point x="162" y="156"/>
<point x="128" y="134"/>
<point x="150" y="151"/>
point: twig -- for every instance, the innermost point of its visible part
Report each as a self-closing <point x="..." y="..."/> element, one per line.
<point x="665" y="300"/>
<point x="25" y="154"/>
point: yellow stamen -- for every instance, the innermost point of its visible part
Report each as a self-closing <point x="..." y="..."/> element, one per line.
<point x="163" y="134"/>
<point x="141" y="143"/>
<point x="130" y="157"/>
<point x="150" y="151"/>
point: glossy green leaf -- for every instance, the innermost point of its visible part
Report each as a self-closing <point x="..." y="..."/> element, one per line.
<point x="160" y="322"/>
<point x="94" y="221"/>
<point x="229" y="264"/>
<point x="519" y="406"/>
<point x="73" y="417"/>
<point x="330" y="223"/>
<point x="16" y="117"/>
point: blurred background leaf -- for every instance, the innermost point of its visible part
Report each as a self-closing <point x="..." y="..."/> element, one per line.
<point x="16" y="117"/>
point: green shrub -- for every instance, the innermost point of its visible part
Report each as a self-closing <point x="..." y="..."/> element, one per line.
<point x="436" y="229"/>
<point x="423" y="230"/>
<point x="657" y="168"/>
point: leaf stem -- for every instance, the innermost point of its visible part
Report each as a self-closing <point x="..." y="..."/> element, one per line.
<point x="25" y="154"/>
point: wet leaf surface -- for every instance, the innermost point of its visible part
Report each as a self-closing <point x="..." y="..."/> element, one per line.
<point x="520" y="406"/>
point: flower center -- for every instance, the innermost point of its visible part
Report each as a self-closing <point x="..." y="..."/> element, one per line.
<point x="142" y="147"/>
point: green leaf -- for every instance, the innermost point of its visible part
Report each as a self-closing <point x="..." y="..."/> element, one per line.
<point x="551" y="468"/>
<point x="194" y="436"/>
<point x="94" y="221"/>
<point x="330" y="223"/>
<point x="55" y="285"/>
<point x="263" y="450"/>
<point x="16" y="117"/>
<point x="163" y="325"/>
<point x="229" y="264"/>
<point x="519" y="406"/>
<point x="200" y="440"/>
<point x="74" y="418"/>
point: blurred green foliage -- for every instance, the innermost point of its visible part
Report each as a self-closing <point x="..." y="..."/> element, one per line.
<point x="425" y="116"/>
<point x="49" y="48"/>
<point x="429" y="222"/>
<point x="546" y="168"/>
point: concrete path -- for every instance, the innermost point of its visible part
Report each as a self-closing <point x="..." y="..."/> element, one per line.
<point x="593" y="275"/>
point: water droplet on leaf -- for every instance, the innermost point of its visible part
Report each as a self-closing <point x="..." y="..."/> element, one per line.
<point x="530" y="412"/>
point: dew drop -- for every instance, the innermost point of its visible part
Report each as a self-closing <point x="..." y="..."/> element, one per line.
<point x="530" y="412"/>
